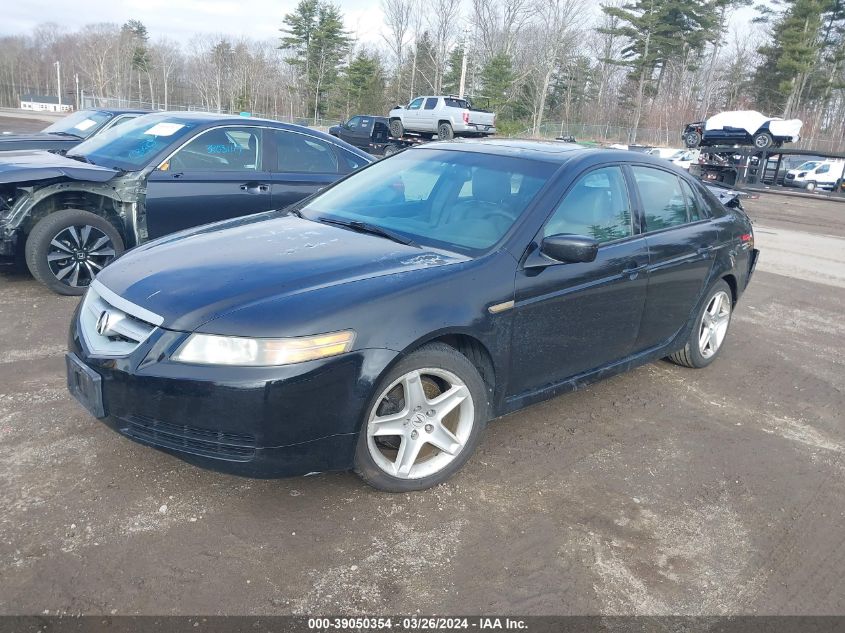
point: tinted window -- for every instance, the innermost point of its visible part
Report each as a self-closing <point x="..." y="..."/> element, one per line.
<point x="663" y="202"/>
<point x="415" y="104"/>
<point x="347" y="161"/>
<point x="220" y="149"/>
<point x="431" y="103"/>
<point x="597" y="206"/>
<point x="133" y="145"/>
<point x="417" y="193"/>
<point x="301" y="153"/>
<point x="693" y="204"/>
<point x="456" y="103"/>
<point x="353" y="122"/>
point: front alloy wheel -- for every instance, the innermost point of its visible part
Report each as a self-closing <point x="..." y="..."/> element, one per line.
<point x="424" y="422"/>
<point x="68" y="248"/>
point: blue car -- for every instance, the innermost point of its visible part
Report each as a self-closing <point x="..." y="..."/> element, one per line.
<point x="380" y="324"/>
<point x="70" y="216"/>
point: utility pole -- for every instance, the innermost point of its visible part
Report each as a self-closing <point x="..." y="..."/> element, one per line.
<point x="76" y="79"/>
<point x="464" y="66"/>
<point x="59" y="82"/>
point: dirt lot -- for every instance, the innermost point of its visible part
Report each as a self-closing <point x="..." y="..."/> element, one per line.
<point x="665" y="490"/>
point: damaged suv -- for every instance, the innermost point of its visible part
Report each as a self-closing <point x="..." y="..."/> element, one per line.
<point x="70" y="216"/>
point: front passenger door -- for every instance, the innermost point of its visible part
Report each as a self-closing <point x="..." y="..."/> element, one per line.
<point x="571" y="318"/>
<point x="217" y="175"/>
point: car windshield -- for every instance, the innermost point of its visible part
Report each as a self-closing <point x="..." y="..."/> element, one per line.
<point x="462" y="201"/>
<point x="82" y="124"/>
<point x="808" y="166"/>
<point x="131" y="146"/>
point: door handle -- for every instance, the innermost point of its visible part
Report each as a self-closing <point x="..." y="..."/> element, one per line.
<point x="252" y="187"/>
<point x="633" y="269"/>
<point x="705" y="250"/>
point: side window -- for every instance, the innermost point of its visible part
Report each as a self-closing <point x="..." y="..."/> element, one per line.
<point x="221" y="149"/>
<point x="597" y="206"/>
<point x="302" y="153"/>
<point x="348" y="161"/>
<point x="431" y="103"/>
<point x="122" y="119"/>
<point x="823" y="169"/>
<point x="663" y="202"/>
<point x="415" y="104"/>
<point x="353" y="123"/>
<point x="696" y="213"/>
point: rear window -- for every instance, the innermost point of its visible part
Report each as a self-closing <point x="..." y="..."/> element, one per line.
<point x="455" y="103"/>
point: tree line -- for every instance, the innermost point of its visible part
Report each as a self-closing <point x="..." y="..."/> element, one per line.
<point x="542" y="65"/>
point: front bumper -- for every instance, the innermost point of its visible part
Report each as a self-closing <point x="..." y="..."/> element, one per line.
<point x="253" y="421"/>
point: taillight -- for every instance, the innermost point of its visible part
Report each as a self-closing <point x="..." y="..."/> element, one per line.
<point x="466" y="117"/>
<point x="747" y="238"/>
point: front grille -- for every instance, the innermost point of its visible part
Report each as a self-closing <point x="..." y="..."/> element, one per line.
<point x="235" y="447"/>
<point x="110" y="330"/>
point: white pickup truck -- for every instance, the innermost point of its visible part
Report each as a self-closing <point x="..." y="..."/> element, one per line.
<point x="446" y="116"/>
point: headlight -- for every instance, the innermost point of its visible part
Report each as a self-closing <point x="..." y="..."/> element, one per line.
<point x="211" y="349"/>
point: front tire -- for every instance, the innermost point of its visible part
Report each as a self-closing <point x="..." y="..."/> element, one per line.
<point x="67" y="249"/>
<point x="711" y="327"/>
<point x="763" y="140"/>
<point x="426" y="419"/>
<point x="397" y="130"/>
<point x="445" y="131"/>
<point x="810" y="186"/>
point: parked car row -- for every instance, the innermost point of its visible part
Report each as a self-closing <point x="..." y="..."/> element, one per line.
<point x="70" y="216"/>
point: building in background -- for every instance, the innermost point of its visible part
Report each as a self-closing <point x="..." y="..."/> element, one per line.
<point x="41" y="103"/>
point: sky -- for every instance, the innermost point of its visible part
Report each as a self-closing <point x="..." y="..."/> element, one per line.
<point x="182" y="19"/>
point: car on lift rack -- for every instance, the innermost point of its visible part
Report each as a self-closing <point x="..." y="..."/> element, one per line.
<point x="69" y="131"/>
<point x="742" y="127"/>
<point x="70" y="216"/>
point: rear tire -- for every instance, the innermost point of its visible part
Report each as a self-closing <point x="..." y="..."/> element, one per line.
<point x="89" y="242"/>
<point x="763" y="140"/>
<point x="692" y="139"/>
<point x="445" y="131"/>
<point x="390" y="150"/>
<point x="410" y="417"/>
<point x="811" y="186"/>
<point x="397" y="130"/>
<point x="708" y="334"/>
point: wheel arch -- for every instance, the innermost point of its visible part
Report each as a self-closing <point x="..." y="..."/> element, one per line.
<point x="93" y="202"/>
<point x="730" y="279"/>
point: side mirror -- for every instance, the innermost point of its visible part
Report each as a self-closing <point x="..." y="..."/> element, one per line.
<point x="570" y="248"/>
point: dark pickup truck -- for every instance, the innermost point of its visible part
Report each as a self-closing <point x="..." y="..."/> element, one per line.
<point x="371" y="134"/>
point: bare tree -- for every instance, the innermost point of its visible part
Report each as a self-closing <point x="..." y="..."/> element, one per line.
<point x="398" y="16"/>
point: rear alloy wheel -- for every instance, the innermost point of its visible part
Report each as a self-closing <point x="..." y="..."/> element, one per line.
<point x="397" y="130"/>
<point x="67" y="249"/>
<point x="692" y="139"/>
<point x="711" y="328"/>
<point x="424" y="423"/>
<point x="445" y="131"/>
<point x="811" y="186"/>
<point x="763" y="140"/>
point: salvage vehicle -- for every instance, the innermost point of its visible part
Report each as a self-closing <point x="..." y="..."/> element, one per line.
<point x="380" y="324"/>
<point x="447" y="116"/>
<point x="371" y="134"/>
<point x="816" y="174"/>
<point x="72" y="215"/>
<point x="742" y="127"/>
<point x="70" y="131"/>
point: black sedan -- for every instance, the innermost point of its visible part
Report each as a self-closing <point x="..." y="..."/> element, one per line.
<point x="70" y="131"/>
<point x="156" y="174"/>
<point x="380" y="324"/>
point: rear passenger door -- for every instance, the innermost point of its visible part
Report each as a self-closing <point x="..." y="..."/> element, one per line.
<point x="682" y="243"/>
<point x="302" y="165"/>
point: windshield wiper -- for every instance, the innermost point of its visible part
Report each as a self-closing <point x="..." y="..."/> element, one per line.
<point x="80" y="158"/>
<point x="66" y="134"/>
<point x="372" y="229"/>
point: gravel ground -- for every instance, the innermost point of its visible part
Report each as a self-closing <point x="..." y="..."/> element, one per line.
<point x="664" y="490"/>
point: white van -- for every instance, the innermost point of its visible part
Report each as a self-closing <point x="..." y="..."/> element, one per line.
<point x="815" y="174"/>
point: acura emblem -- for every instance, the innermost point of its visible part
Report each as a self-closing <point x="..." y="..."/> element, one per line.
<point x="103" y="323"/>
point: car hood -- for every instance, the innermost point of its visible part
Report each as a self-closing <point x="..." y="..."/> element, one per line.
<point x="26" y="166"/>
<point x="192" y="277"/>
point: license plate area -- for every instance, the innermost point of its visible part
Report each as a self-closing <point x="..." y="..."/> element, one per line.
<point x="85" y="385"/>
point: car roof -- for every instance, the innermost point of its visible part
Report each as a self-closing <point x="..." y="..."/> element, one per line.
<point x="546" y="151"/>
<point x="120" y="110"/>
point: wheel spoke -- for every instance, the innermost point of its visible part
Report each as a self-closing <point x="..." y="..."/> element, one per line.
<point x="74" y="234"/>
<point x="60" y="246"/>
<point x="55" y="257"/>
<point x="100" y="242"/>
<point x="65" y="271"/>
<point x="108" y="252"/>
<point x="409" y="450"/>
<point x="86" y="234"/>
<point x="74" y="278"/>
<point x="448" y="400"/>
<point x="413" y="389"/>
<point x="393" y="424"/>
<point x="444" y="439"/>
<point x="704" y="339"/>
